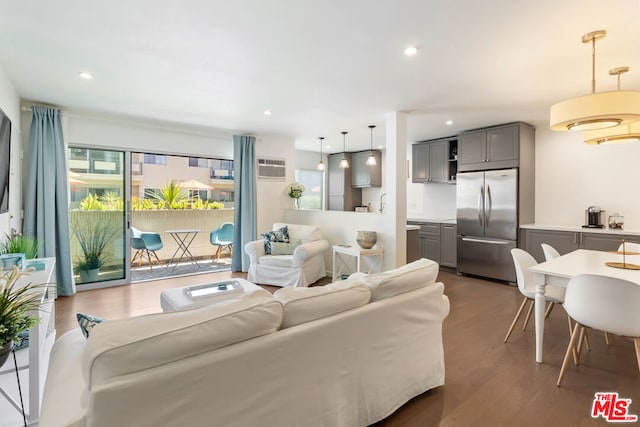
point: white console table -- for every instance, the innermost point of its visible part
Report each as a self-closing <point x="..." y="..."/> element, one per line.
<point x="366" y="260"/>
<point x="35" y="358"/>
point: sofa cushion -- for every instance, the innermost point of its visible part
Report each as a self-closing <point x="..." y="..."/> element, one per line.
<point x="403" y="279"/>
<point x="303" y="305"/>
<point x="123" y="346"/>
<point x="281" y="261"/>
<point x="282" y="248"/>
<point x="277" y="235"/>
<point x="306" y="233"/>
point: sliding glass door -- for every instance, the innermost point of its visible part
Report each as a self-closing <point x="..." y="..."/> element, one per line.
<point x="98" y="216"/>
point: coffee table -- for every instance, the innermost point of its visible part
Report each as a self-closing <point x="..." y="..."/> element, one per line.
<point x="176" y="299"/>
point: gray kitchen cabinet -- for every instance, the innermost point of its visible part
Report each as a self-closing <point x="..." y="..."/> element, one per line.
<point x="413" y="246"/>
<point x="567" y="241"/>
<point x="493" y="148"/>
<point x="434" y="161"/>
<point x="563" y="241"/>
<point x="364" y="175"/>
<point x="430" y="247"/>
<point x="341" y="195"/>
<point x="448" y="252"/>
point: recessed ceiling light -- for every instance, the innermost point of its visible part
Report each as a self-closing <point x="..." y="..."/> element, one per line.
<point x="85" y="75"/>
<point x="328" y="146"/>
<point x="448" y="122"/>
<point x="411" y="50"/>
<point x="267" y="112"/>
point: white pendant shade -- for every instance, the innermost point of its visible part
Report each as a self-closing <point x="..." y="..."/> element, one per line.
<point x="371" y="160"/>
<point x="321" y="166"/>
<point x="617" y="135"/>
<point x="596" y="111"/>
<point x="344" y="164"/>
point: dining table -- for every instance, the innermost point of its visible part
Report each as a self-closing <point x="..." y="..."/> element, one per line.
<point x="559" y="271"/>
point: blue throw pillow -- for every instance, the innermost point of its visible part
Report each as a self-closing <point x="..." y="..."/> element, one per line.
<point x="279" y="235"/>
<point x="87" y="323"/>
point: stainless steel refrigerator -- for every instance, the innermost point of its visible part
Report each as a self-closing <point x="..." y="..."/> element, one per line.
<point x="487" y="222"/>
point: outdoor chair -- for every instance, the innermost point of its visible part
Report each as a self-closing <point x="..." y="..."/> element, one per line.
<point x="145" y="243"/>
<point x="222" y="237"/>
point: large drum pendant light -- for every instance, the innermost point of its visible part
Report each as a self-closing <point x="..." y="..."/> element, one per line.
<point x="598" y="110"/>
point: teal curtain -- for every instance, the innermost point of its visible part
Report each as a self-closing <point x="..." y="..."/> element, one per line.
<point x="245" y="215"/>
<point x="46" y="194"/>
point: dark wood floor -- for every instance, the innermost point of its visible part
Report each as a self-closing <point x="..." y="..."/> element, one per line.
<point x="488" y="383"/>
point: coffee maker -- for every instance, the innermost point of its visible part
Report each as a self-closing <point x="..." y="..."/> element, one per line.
<point x="594" y="217"/>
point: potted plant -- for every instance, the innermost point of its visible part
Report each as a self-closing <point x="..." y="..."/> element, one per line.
<point x="15" y="303"/>
<point x="93" y="239"/>
<point x="18" y="244"/>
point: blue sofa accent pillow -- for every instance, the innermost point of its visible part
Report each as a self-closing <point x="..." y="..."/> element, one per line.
<point x="87" y="323"/>
<point x="279" y="235"/>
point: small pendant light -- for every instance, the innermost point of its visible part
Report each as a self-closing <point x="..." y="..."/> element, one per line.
<point x="371" y="160"/>
<point x="321" y="164"/>
<point x="344" y="164"/>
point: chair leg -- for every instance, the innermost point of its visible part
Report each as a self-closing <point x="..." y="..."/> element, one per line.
<point x="606" y="337"/>
<point x="149" y="259"/>
<point x="515" y="319"/>
<point x="572" y="342"/>
<point x="158" y="259"/>
<point x="636" y="342"/>
<point x="549" y="309"/>
<point x="133" y="260"/>
<point x="526" y="319"/>
<point x="586" y="341"/>
<point x="583" y="332"/>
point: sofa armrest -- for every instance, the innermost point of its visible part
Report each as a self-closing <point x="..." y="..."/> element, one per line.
<point x="308" y="250"/>
<point x="255" y="250"/>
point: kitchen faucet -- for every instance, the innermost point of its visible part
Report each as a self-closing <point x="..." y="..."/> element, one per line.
<point x="381" y="202"/>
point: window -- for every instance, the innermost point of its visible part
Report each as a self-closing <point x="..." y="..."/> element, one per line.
<point x="313" y="182"/>
<point x="197" y="162"/>
<point x="155" y="159"/>
<point x="221" y="169"/>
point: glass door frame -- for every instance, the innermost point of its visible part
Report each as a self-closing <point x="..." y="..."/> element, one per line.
<point x="126" y="196"/>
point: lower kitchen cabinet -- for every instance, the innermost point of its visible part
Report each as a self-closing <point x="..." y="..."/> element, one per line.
<point x="567" y="241"/>
<point x="437" y="242"/>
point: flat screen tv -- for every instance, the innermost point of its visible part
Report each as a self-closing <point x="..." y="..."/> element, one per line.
<point x="5" y="160"/>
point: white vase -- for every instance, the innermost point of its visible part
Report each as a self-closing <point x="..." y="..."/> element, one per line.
<point x="297" y="203"/>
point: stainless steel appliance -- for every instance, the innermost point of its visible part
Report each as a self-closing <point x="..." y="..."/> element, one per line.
<point x="487" y="218"/>
<point x="594" y="217"/>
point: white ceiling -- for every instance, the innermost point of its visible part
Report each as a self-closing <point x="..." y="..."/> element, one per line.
<point x="320" y="66"/>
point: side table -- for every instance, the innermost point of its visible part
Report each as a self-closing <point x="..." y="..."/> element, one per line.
<point x="366" y="260"/>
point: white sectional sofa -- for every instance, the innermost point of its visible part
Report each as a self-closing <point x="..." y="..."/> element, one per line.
<point x="346" y="354"/>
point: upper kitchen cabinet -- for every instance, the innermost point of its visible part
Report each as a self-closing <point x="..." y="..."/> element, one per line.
<point x="434" y="161"/>
<point x="496" y="147"/>
<point x="364" y="175"/>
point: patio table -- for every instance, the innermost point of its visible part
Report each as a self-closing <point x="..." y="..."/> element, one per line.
<point x="184" y="238"/>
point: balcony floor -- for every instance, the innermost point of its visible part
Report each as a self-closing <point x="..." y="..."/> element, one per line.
<point x="205" y="265"/>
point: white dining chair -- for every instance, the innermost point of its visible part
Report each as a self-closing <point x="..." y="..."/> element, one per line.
<point x="522" y="260"/>
<point x="604" y="303"/>
<point x="630" y="247"/>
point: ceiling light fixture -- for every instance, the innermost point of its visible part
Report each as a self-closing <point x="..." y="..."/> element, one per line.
<point x="598" y="110"/>
<point x="448" y="122"/>
<point x="411" y="50"/>
<point x="371" y="160"/>
<point x="85" y="75"/>
<point x="321" y="164"/>
<point x="344" y="164"/>
<point x="267" y="112"/>
<point x="620" y="134"/>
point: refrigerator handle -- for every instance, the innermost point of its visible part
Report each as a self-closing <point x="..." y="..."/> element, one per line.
<point x="481" y="205"/>
<point x="488" y="205"/>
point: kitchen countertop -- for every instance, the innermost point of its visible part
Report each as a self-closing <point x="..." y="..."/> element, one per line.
<point x="579" y="229"/>
<point x="438" y="220"/>
<point x="412" y="227"/>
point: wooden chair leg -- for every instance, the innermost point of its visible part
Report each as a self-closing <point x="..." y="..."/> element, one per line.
<point x="583" y="331"/>
<point x="515" y="319"/>
<point x="549" y="309"/>
<point x="586" y="341"/>
<point x="149" y="259"/>
<point x="606" y="337"/>
<point x="572" y="342"/>
<point x="133" y="260"/>
<point x="158" y="259"/>
<point x="526" y="319"/>
<point x="636" y="343"/>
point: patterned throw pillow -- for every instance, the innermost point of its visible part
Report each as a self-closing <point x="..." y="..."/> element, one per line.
<point x="279" y="235"/>
<point x="87" y="323"/>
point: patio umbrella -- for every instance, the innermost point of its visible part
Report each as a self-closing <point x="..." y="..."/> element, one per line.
<point x="193" y="184"/>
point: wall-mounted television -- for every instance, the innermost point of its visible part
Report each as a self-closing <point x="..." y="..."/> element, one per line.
<point x="5" y="160"/>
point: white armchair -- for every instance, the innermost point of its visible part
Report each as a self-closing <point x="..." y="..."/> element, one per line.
<point x="303" y="267"/>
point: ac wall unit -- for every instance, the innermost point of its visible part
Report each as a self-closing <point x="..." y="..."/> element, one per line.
<point x="271" y="168"/>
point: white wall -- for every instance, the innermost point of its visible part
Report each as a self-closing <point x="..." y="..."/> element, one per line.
<point x="272" y="194"/>
<point x="10" y="104"/>
<point x="570" y="176"/>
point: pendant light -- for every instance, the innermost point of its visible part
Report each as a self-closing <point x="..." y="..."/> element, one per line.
<point x="620" y="134"/>
<point x="598" y="110"/>
<point x="344" y="164"/>
<point x="321" y="164"/>
<point x="371" y="160"/>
